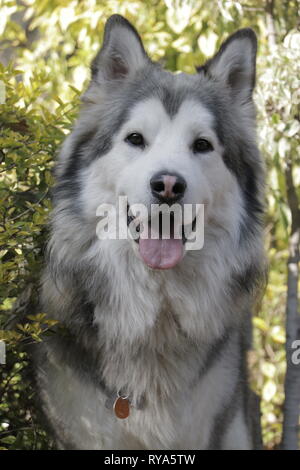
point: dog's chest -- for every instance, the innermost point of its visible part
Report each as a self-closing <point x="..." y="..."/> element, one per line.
<point x="183" y="419"/>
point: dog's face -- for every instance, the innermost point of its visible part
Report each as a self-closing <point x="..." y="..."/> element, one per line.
<point x="161" y="160"/>
<point x="163" y="139"/>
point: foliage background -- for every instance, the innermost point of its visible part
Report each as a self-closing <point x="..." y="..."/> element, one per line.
<point x="46" y="47"/>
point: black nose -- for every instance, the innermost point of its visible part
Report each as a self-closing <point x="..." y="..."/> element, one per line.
<point x="167" y="187"/>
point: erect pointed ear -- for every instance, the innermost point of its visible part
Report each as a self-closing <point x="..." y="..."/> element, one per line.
<point x="122" y="52"/>
<point x="235" y="63"/>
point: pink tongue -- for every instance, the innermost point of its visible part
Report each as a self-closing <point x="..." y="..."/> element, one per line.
<point x="161" y="254"/>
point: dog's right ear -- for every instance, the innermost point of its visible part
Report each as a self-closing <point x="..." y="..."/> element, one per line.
<point x="122" y="52"/>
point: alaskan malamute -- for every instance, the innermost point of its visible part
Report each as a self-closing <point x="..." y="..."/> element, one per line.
<point x="151" y="349"/>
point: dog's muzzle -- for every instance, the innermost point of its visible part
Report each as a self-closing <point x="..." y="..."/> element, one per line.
<point x="161" y="236"/>
<point x="161" y="246"/>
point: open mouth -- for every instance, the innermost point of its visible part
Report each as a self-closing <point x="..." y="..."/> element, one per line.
<point x="161" y="245"/>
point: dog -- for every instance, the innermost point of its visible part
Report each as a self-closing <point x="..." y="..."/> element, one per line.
<point x="150" y="348"/>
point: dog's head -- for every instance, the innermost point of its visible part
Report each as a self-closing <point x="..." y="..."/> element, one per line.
<point x="161" y="138"/>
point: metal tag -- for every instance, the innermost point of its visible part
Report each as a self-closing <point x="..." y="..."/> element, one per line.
<point x="122" y="407"/>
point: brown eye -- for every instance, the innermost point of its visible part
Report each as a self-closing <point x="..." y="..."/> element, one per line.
<point x="201" y="146"/>
<point x="135" y="139"/>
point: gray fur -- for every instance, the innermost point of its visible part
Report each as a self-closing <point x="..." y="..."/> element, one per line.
<point x="171" y="339"/>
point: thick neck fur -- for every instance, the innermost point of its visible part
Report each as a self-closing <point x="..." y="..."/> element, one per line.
<point x="146" y="322"/>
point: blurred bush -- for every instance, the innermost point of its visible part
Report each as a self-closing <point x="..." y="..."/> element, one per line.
<point x="46" y="47"/>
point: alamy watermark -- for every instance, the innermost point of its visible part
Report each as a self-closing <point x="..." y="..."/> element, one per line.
<point x="2" y="352"/>
<point x="2" y="92"/>
<point x="296" y="354"/>
<point x="161" y="221"/>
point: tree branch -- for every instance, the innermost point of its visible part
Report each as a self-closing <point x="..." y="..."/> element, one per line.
<point x="270" y="23"/>
<point x="290" y="439"/>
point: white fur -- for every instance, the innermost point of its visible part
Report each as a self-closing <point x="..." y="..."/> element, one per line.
<point x="156" y="329"/>
<point x="191" y="291"/>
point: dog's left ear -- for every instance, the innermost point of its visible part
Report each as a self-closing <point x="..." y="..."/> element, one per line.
<point x="122" y="52"/>
<point x="235" y="63"/>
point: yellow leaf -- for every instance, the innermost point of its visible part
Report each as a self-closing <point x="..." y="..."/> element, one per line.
<point x="269" y="390"/>
<point x="260" y="324"/>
